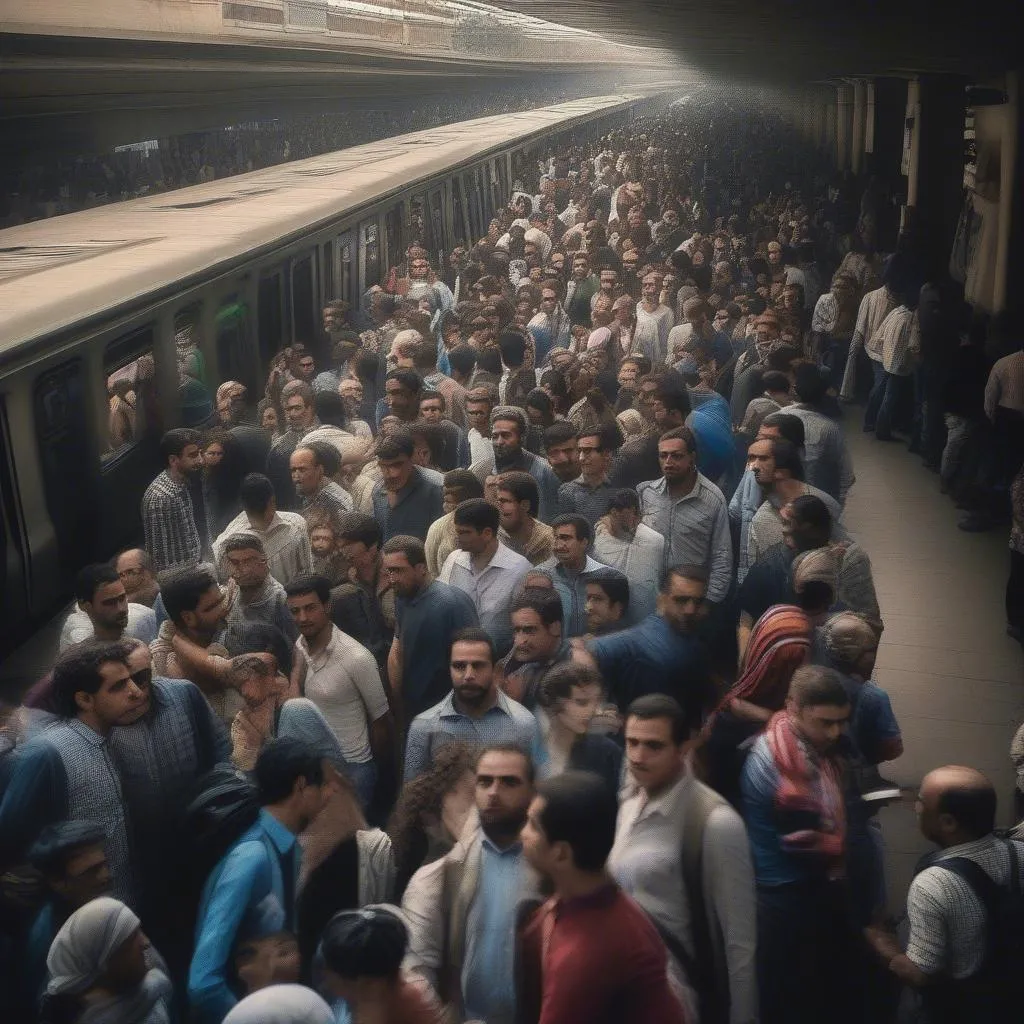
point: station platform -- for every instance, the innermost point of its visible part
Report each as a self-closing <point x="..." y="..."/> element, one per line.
<point x="956" y="680"/>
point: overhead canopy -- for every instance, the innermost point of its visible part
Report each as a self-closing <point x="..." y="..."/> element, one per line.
<point x="790" y="41"/>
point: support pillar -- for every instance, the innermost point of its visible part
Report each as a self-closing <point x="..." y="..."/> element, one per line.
<point x="859" y="118"/>
<point x="844" y="116"/>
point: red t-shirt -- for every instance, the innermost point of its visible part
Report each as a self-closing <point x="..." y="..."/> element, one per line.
<point x="603" y="961"/>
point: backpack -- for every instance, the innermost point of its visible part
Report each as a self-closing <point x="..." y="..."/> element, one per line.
<point x="995" y="992"/>
<point x="226" y="806"/>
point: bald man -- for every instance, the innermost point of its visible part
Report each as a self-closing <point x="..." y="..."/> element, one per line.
<point x="949" y="903"/>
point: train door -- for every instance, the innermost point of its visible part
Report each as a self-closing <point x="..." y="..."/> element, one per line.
<point x="235" y="357"/>
<point x="369" y="255"/>
<point x="304" y="307"/>
<point x="13" y="547"/>
<point x="346" y="268"/>
<point x="442" y="245"/>
<point x="270" y="301"/>
<point x="394" y="240"/>
<point x="460" y="213"/>
<point x="67" y="466"/>
<point x="130" y="435"/>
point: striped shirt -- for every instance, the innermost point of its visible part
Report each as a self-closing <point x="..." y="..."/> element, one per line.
<point x="1005" y="387"/>
<point x="766" y="525"/>
<point x="948" y="925"/>
<point x="695" y="528"/>
<point x="332" y="501"/>
<point x="827" y="462"/>
<point x="577" y="497"/>
<point x="874" y="308"/>
<point x="899" y="337"/>
<point x="168" y="519"/>
<point x="285" y="543"/>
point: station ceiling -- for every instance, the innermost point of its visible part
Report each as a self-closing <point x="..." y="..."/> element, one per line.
<point x="790" y="41"/>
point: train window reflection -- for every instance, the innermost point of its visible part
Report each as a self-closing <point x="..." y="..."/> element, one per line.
<point x="130" y="378"/>
<point x="371" y="253"/>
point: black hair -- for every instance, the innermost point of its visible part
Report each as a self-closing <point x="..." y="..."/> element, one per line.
<point x="259" y="637"/>
<point x="812" y="511"/>
<point x="781" y="358"/>
<point x="243" y="542"/>
<point x="395" y="446"/>
<point x="255" y="492"/>
<point x="809" y="384"/>
<point x="78" y="671"/>
<point x="479" y="514"/>
<point x="693" y="573"/>
<point x="786" y="456"/>
<point x="429" y="394"/>
<point x="684" y="434"/>
<point x="560" y="680"/>
<point x="59" y="842"/>
<point x="472" y="635"/>
<point x="330" y="408"/>
<point x="522" y="487"/>
<point x="546" y="603"/>
<point x="489" y="360"/>
<point x="580" y="809"/>
<point x="462" y="359"/>
<point x="972" y="807"/>
<point x="661" y="705"/>
<point x="409" y="379"/>
<point x="789" y="426"/>
<point x="509" y="748"/>
<point x="361" y="528"/>
<point x="578" y="523"/>
<point x="538" y="398"/>
<point x="463" y="481"/>
<point x="512" y="345"/>
<point x="608" y="435"/>
<point x="281" y="763"/>
<point x="182" y="591"/>
<point x="815" y="685"/>
<point x="625" y="498"/>
<point x="310" y="584"/>
<point x="174" y="442"/>
<point x="411" y="547"/>
<point x="775" y="380"/>
<point x="325" y="455"/>
<point x="90" y="578"/>
<point x="559" y="432"/>
<point x="614" y="584"/>
<point x="366" y="943"/>
<point x="433" y="436"/>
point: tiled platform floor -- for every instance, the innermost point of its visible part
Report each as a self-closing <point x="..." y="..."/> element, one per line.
<point x="955" y="679"/>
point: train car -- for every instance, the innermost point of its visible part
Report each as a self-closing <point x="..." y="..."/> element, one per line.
<point x="93" y="307"/>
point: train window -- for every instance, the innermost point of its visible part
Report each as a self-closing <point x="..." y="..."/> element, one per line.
<point x="437" y="223"/>
<point x="271" y="317"/>
<point x="304" y="304"/>
<point x="195" y="394"/>
<point x="393" y="235"/>
<point x="346" y="267"/>
<point x="369" y="245"/>
<point x="418" y="227"/>
<point x="462" y="235"/>
<point x="234" y="357"/>
<point x="65" y="461"/>
<point x="132" y="407"/>
<point x="327" y="272"/>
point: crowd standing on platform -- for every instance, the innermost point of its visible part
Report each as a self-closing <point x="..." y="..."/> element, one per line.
<point x="507" y="659"/>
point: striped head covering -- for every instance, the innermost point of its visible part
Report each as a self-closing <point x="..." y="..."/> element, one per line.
<point x="779" y="644"/>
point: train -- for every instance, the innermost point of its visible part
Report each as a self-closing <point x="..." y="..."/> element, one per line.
<point x="94" y="303"/>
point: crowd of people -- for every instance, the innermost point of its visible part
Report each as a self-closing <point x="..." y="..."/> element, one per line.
<point x="47" y="184"/>
<point x="507" y="658"/>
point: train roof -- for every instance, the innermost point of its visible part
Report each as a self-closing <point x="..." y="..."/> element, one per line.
<point x="57" y="272"/>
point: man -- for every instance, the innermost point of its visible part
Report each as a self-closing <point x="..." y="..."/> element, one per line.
<point x="539" y="643"/>
<point x="806" y="526"/>
<point x="570" y="567"/>
<point x="104" y="611"/>
<point x="637" y="459"/>
<point x="654" y="321"/>
<point x="580" y="290"/>
<point x="475" y="711"/>
<point x="256" y="595"/>
<point x="284" y="535"/>
<point x="682" y="853"/>
<point x="960" y="958"/>
<point x="300" y="418"/>
<point x="168" y="515"/>
<point x="196" y="613"/>
<point x="445" y="397"/>
<point x="484" y="569"/>
<point x="607" y="603"/>
<point x="623" y="542"/>
<point x="874" y="308"/>
<point x="352" y="395"/>
<point x="608" y="286"/>
<point x="405" y="501"/>
<point x="135" y="570"/>
<point x="67" y="773"/>
<point x="589" y="493"/>
<point x="779" y="472"/>
<point x="508" y="426"/>
<point x="689" y="511"/>
<point x="342" y="680"/>
<point x="251" y="892"/>
<point x="661" y="654"/>
<point x="402" y="388"/>
<point x="311" y="464"/>
<point x="461" y="910"/>
<point x="521" y="530"/>
<point x="776" y="395"/>
<point x="459" y="485"/>
<point x="827" y="462"/>
<point x="479" y="403"/>
<point x="160" y="756"/>
<point x="561" y="450"/>
<point x="590" y="953"/>
<point x="793" y="807"/>
<point x="428" y="613"/>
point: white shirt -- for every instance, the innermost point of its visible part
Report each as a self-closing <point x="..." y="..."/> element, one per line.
<point x="78" y="626"/>
<point x="647" y="862"/>
<point x="481" y="449"/>
<point x="640" y="561"/>
<point x="344" y="683"/>
<point x="491" y="588"/>
<point x="285" y="541"/>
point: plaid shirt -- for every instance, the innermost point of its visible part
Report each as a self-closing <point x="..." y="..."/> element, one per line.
<point x="172" y="538"/>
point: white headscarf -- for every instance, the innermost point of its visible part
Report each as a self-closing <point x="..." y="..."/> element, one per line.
<point x="83" y="947"/>
<point x="281" y="1004"/>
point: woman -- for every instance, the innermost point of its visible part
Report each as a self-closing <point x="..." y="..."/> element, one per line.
<point x="779" y="644"/>
<point x="102" y="970"/>
<point x="568" y="699"/>
<point x="432" y="811"/>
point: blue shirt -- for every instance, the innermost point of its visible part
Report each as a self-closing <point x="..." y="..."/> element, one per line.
<point x="712" y="425"/>
<point x="488" y="976"/>
<point x="652" y="657"/>
<point x="507" y="722"/>
<point x="245" y="897"/>
<point x="425" y="625"/>
<point x="573" y="591"/>
<point x="419" y="503"/>
<point x="760" y="781"/>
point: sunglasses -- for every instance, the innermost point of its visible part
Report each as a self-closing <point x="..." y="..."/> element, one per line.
<point x="143" y="678"/>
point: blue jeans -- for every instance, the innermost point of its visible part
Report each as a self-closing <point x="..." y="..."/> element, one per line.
<point x="363" y="778"/>
<point x="893" y="409"/>
<point x="876" y="396"/>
